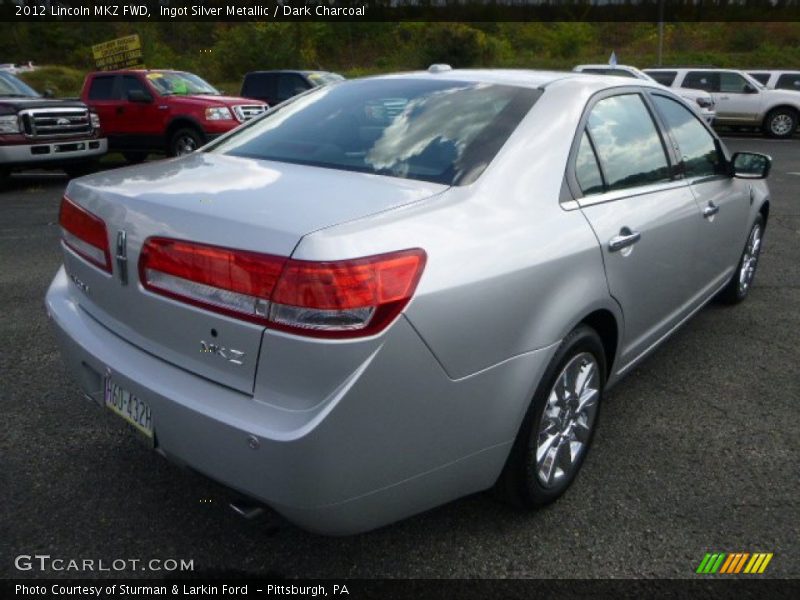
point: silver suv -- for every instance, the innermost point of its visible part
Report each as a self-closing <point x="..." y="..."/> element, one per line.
<point x="699" y="100"/>
<point x="739" y="98"/>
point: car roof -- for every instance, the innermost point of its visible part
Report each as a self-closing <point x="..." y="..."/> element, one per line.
<point x="525" y="78"/>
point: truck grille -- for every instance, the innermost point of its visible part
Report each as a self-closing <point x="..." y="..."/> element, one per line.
<point x="56" y="122"/>
<point x="245" y="112"/>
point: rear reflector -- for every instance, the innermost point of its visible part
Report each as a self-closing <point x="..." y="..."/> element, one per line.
<point x="85" y="234"/>
<point x="341" y="299"/>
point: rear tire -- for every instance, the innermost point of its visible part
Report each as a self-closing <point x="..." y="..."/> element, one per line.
<point x="742" y="279"/>
<point x="185" y="141"/>
<point x="559" y="426"/>
<point x="134" y="157"/>
<point x="781" y="123"/>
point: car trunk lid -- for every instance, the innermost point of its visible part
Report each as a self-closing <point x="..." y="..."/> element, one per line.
<point x="256" y="206"/>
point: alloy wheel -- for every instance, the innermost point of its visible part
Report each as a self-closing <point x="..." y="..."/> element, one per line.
<point x="781" y="124"/>
<point x="567" y="420"/>
<point x="750" y="259"/>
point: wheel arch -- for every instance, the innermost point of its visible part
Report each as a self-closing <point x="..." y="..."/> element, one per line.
<point x="780" y="105"/>
<point x="763" y="210"/>
<point x="182" y="121"/>
<point x="605" y="323"/>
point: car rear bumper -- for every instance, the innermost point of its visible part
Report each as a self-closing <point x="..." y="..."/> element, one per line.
<point x="51" y="153"/>
<point x="398" y="437"/>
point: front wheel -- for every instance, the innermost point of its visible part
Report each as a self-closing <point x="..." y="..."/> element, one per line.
<point x="559" y="425"/>
<point x="184" y="141"/>
<point x="742" y="279"/>
<point x="781" y="123"/>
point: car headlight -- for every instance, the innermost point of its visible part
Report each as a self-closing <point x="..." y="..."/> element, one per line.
<point x="705" y="102"/>
<point x="9" y="124"/>
<point x="95" y="120"/>
<point x="218" y="113"/>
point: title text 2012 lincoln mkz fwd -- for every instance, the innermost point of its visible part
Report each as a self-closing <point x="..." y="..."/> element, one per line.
<point x="388" y="293"/>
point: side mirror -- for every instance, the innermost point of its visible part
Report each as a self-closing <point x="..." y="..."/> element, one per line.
<point x="750" y="165"/>
<point x="48" y="93"/>
<point x="139" y="96"/>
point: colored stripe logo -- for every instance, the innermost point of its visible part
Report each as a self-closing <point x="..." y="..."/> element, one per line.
<point x="734" y="563"/>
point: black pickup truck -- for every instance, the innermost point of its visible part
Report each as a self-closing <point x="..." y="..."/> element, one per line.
<point x="45" y="133"/>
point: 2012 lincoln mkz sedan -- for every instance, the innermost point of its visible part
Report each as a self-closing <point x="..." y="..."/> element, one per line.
<point x="391" y="292"/>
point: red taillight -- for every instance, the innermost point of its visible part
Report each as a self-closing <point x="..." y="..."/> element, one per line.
<point x="346" y="298"/>
<point x="340" y="299"/>
<point x="85" y="234"/>
<point x="234" y="282"/>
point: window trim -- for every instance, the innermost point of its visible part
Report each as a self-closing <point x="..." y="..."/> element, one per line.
<point x="676" y="146"/>
<point x="578" y="197"/>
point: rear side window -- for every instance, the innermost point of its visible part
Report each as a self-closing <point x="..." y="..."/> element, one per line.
<point x="102" y="88"/>
<point x="627" y="142"/>
<point x="131" y="83"/>
<point x="663" y="77"/>
<point x="260" y="85"/>
<point x="788" y="82"/>
<point x="290" y="84"/>
<point x="609" y="71"/>
<point x="587" y="171"/>
<point x="702" y="80"/>
<point x="761" y="78"/>
<point x="697" y="147"/>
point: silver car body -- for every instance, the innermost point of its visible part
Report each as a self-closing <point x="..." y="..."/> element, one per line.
<point x="342" y="436"/>
<point x="693" y="97"/>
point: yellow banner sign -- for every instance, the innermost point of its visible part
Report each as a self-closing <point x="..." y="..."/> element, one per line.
<point x="121" y="53"/>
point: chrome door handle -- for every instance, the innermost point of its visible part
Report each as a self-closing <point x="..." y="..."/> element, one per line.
<point x="625" y="238"/>
<point x="710" y="210"/>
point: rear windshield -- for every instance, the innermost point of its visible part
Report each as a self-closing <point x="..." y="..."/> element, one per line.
<point x="440" y="131"/>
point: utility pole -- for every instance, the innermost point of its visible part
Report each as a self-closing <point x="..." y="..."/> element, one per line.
<point x="660" y="31"/>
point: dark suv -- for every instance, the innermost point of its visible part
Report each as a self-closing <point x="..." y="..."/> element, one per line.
<point x="274" y="87"/>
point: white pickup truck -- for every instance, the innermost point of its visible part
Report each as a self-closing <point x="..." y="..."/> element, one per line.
<point x="739" y="99"/>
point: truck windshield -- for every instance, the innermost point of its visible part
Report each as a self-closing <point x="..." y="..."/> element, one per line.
<point x="176" y="83"/>
<point x="433" y="130"/>
<point x="324" y="78"/>
<point x="11" y="87"/>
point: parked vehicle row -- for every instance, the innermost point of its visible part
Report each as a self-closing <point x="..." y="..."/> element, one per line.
<point x="740" y="99"/>
<point x="403" y="289"/>
<point x="765" y="99"/>
<point x="136" y="112"/>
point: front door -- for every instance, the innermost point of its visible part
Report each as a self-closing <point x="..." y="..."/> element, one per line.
<point x="724" y="202"/>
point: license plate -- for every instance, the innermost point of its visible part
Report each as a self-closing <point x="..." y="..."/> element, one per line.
<point x="134" y="410"/>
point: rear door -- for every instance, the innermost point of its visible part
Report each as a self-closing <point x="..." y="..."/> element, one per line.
<point x="644" y="218"/>
<point x="724" y="201"/>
